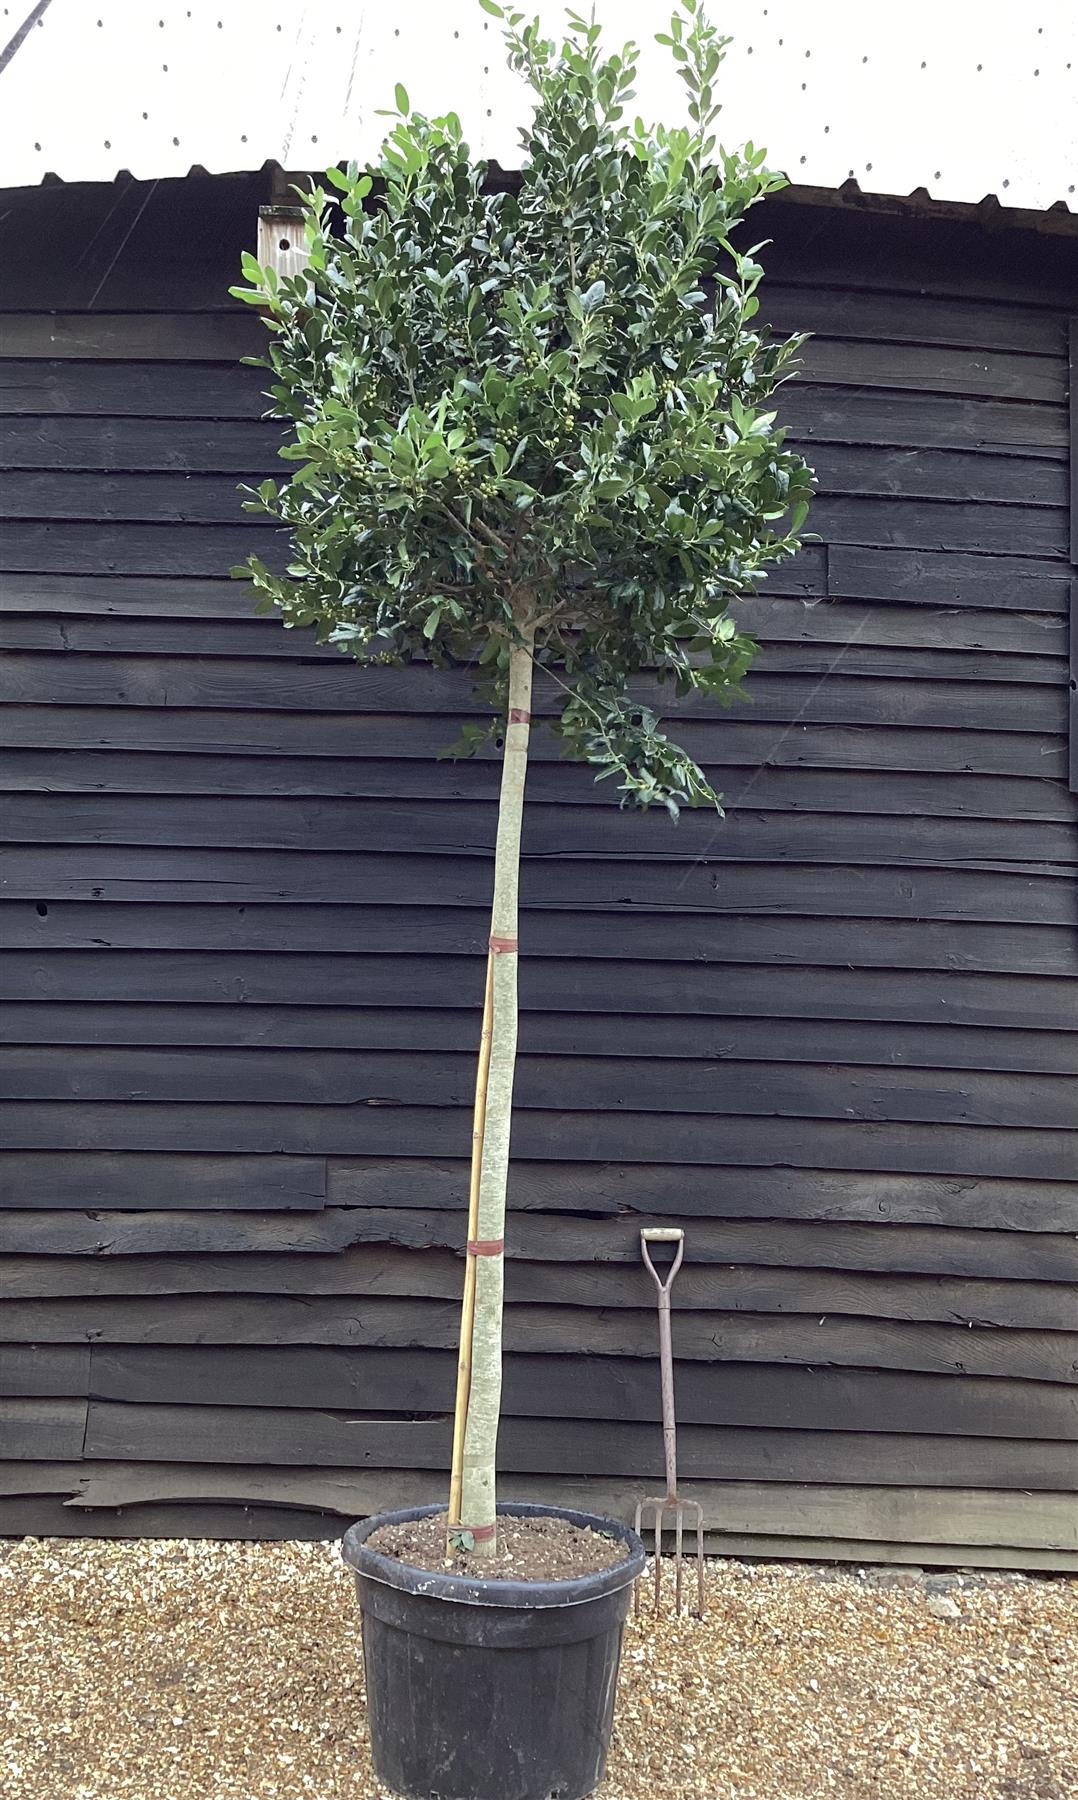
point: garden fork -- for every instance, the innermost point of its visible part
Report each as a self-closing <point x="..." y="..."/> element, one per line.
<point x="670" y="1501"/>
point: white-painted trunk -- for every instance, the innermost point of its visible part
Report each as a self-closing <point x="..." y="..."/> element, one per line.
<point x="478" y="1498"/>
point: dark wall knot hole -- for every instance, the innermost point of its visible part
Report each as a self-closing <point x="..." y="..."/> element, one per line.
<point x="42" y="910"/>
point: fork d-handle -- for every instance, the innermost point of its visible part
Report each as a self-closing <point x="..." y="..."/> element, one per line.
<point x="665" y="1234"/>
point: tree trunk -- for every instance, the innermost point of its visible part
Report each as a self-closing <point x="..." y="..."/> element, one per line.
<point x="478" y="1497"/>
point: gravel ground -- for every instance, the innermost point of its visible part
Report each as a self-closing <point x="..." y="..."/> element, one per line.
<point x="204" y="1671"/>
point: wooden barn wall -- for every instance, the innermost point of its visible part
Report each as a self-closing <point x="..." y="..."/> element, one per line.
<point x="834" y="1036"/>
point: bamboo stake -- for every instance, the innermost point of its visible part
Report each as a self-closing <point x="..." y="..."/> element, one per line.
<point x="467" y="1313"/>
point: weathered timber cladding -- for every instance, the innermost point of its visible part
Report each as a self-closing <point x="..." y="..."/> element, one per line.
<point x="834" y="1035"/>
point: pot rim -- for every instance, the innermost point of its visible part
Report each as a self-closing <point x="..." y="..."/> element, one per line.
<point x="467" y="1590"/>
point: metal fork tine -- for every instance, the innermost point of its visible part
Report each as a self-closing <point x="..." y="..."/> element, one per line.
<point x="650" y="1515"/>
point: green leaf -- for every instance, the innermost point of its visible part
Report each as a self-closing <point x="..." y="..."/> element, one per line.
<point x="593" y="297"/>
<point x="400" y="96"/>
<point x="491" y="7"/>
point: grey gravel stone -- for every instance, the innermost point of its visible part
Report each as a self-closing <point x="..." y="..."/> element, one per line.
<point x="941" y="1606"/>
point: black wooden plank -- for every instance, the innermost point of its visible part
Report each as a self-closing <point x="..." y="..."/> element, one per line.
<point x="129" y="549"/>
<point x="140" y="596"/>
<point x="461" y="931"/>
<point x="917" y="1516"/>
<point x="379" y="1270"/>
<point x="567" y="1386"/>
<point x="223" y="447"/>
<point x="41" y="1428"/>
<point x="172" y="637"/>
<point x="944" y="525"/>
<point x="217" y="960"/>
<point x="915" y="472"/>
<point x="685" y="1193"/>
<point x="415" y="1131"/>
<point x="178" y="878"/>
<point x="313" y="1507"/>
<point x="574" y="1034"/>
<point x="47" y="1370"/>
<point x="224" y="336"/>
<point x="796" y="638"/>
<point x="777" y="620"/>
<point x="163" y="389"/>
<point x="159" y="498"/>
<point x="738" y="741"/>
<point x="916" y="421"/>
<point x="248" y="448"/>
<point x="270" y="1077"/>
<point x="79" y="1179"/>
<point x="589" y="986"/>
<point x="932" y="795"/>
<point x="228" y="334"/>
<point x="918" y="318"/>
<point x="43" y="1515"/>
<point x="934" y="370"/>
<point x="867" y="516"/>
<point x="138" y="549"/>
<point x="912" y="318"/>
<point x="154" y="390"/>
<point x="212" y="1434"/>
<point x="1028" y="474"/>
<point x="916" y="627"/>
<point x="541" y="1237"/>
<point x="708" y="1337"/>
<point x="294" y="1184"/>
<point x="549" y="830"/>
<point x="952" y="578"/>
<point x="327" y="686"/>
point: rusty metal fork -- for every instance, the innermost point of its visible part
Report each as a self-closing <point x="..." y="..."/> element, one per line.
<point x="670" y="1501"/>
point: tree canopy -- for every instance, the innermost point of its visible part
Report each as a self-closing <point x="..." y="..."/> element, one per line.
<point x="535" y="407"/>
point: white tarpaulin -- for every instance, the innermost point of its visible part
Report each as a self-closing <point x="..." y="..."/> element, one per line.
<point x="960" y="98"/>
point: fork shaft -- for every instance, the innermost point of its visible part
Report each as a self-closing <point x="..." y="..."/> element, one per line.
<point x="666" y="1363"/>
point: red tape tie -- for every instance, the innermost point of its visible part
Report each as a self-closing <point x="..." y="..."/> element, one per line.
<point x="518" y="716"/>
<point x="486" y="1246"/>
<point x="481" y="1533"/>
<point x="503" y="946"/>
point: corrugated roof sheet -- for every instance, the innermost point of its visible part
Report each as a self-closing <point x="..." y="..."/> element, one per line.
<point x="959" y="99"/>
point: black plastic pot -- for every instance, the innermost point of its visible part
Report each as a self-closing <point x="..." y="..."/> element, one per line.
<point x="484" y="1689"/>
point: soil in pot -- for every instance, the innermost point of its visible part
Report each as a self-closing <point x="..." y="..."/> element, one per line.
<point x="529" y="1549"/>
